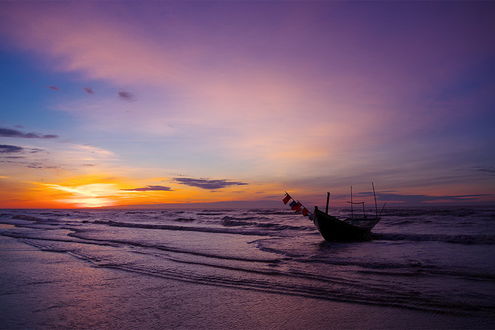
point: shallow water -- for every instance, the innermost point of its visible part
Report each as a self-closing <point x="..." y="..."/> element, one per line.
<point x="429" y="259"/>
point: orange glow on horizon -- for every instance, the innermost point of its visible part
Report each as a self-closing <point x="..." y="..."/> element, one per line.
<point x="104" y="191"/>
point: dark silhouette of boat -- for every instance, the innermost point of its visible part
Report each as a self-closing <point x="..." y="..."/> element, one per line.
<point x="351" y="229"/>
<point x="348" y="229"/>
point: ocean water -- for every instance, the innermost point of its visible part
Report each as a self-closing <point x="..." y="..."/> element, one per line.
<point x="438" y="260"/>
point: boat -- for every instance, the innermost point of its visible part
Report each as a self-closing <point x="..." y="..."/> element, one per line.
<point x="354" y="228"/>
<point x="332" y="228"/>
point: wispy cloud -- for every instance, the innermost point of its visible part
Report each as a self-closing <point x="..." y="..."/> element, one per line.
<point x="420" y="199"/>
<point x="127" y="96"/>
<point x="150" y="188"/>
<point x="490" y="170"/>
<point x="95" y="151"/>
<point x="69" y="159"/>
<point x="208" y="184"/>
<point x="8" y="149"/>
<point x="23" y="157"/>
<point x="54" y="88"/>
<point x="89" y="90"/>
<point x="39" y="165"/>
<point x="8" y="132"/>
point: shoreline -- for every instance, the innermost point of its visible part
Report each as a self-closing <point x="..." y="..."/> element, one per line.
<point x="44" y="290"/>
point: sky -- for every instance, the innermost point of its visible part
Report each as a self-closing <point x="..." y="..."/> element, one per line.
<point x="156" y="102"/>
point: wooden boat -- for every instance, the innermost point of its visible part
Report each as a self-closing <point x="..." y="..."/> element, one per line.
<point x="350" y="229"/>
<point x="335" y="229"/>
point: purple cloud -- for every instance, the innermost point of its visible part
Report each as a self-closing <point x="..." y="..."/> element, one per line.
<point x="489" y="170"/>
<point x="38" y="165"/>
<point x="89" y="90"/>
<point x="150" y="188"/>
<point x="419" y="199"/>
<point x="54" y="88"/>
<point x="208" y="184"/>
<point x="7" y="132"/>
<point x="128" y="96"/>
<point x="6" y="148"/>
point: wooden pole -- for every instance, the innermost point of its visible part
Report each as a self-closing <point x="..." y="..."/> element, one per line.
<point x="382" y="209"/>
<point x="352" y="207"/>
<point x="374" y="194"/>
<point x="328" y="199"/>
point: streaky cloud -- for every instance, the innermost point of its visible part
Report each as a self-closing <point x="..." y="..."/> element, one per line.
<point x="13" y="157"/>
<point x="8" y="132"/>
<point x="89" y="90"/>
<point x="7" y="148"/>
<point x="39" y="165"/>
<point x="127" y="96"/>
<point x="150" y="188"/>
<point x="489" y="170"/>
<point x="208" y="184"/>
<point x="419" y="199"/>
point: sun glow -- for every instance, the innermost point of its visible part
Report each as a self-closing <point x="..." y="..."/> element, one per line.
<point x="89" y="202"/>
<point x="89" y="195"/>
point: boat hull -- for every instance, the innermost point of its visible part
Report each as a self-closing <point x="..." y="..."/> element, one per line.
<point x="333" y="229"/>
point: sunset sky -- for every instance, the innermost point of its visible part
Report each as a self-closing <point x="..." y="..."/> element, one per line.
<point x="135" y="103"/>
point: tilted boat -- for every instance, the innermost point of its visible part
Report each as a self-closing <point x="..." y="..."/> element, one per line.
<point x="335" y="229"/>
<point x="354" y="228"/>
<point x="349" y="229"/>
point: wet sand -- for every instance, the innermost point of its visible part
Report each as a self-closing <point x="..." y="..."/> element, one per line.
<point x="42" y="290"/>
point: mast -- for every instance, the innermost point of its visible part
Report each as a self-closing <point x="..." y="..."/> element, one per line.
<point x="374" y="195"/>
<point x="328" y="198"/>
<point x="352" y="208"/>
<point x="382" y="208"/>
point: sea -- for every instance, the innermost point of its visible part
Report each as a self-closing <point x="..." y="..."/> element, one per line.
<point x="431" y="259"/>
